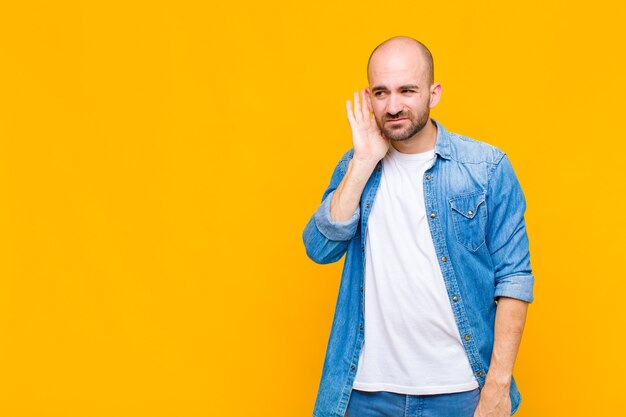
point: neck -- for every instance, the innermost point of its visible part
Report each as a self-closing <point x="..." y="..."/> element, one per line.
<point x="422" y="141"/>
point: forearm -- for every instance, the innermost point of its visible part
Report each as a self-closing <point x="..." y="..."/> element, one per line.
<point x="509" y="326"/>
<point x="348" y="193"/>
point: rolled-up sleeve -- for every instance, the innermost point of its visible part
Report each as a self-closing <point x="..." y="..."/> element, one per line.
<point x="326" y="240"/>
<point x="335" y="229"/>
<point x="507" y="238"/>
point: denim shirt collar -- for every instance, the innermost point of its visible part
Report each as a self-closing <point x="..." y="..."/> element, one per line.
<point x="442" y="144"/>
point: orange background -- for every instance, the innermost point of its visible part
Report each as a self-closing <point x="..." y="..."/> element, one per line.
<point x="159" y="161"/>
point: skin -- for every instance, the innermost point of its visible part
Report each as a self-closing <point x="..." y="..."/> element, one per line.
<point x="395" y="111"/>
<point x="400" y="95"/>
<point x="400" y="99"/>
<point x="495" y="400"/>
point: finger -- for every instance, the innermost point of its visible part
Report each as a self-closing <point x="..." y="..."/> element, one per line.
<point x="357" y="107"/>
<point x="350" y="115"/>
<point x="368" y="95"/>
<point x="373" y="126"/>
<point x="365" y="109"/>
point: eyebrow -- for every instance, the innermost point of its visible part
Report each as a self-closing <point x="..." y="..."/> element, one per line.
<point x="402" y="87"/>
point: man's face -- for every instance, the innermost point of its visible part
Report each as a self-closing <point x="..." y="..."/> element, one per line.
<point x="399" y="96"/>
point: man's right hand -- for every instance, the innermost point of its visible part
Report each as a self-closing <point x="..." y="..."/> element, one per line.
<point x="369" y="143"/>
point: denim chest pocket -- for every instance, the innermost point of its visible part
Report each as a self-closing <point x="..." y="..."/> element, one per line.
<point x="469" y="216"/>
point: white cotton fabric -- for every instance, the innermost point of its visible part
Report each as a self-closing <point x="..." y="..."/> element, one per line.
<point x="412" y="344"/>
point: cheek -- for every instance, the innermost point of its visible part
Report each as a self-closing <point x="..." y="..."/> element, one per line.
<point x="378" y="109"/>
<point x="419" y="106"/>
<point x="378" y="116"/>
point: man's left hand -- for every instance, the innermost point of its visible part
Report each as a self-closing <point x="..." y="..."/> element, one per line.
<point x="494" y="400"/>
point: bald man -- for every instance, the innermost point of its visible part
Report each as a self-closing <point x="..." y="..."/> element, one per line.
<point x="436" y="279"/>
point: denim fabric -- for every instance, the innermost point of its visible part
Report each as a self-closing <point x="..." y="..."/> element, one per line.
<point x="390" y="404"/>
<point x="475" y="208"/>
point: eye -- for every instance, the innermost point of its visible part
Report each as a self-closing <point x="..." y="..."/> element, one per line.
<point x="408" y="91"/>
<point x="379" y="93"/>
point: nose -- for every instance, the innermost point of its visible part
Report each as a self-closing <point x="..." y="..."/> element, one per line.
<point x="394" y="104"/>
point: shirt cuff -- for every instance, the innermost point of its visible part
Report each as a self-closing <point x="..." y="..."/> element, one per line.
<point x="516" y="286"/>
<point x="336" y="230"/>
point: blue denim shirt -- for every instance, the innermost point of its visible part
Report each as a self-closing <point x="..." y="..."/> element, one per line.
<point x="475" y="208"/>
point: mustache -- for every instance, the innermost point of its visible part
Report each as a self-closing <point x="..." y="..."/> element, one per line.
<point x="389" y="116"/>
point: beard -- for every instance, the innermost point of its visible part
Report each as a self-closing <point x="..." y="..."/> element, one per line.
<point x="416" y="123"/>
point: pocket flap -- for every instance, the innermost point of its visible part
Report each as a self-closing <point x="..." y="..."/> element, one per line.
<point x="467" y="204"/>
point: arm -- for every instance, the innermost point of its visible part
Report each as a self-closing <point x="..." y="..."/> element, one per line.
<point x="326" y="239"/>
<point x="507" y="238"/>
<point x="495" y="396"/>
<point x="335" y="222"/>
<point x="507" y="241"/>
<point x="369" y="148"/>
<point x="347" y="196"/>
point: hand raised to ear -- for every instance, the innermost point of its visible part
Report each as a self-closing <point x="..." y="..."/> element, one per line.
<point x="368" y="142"/>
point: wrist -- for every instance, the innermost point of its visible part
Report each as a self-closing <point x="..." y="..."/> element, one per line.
<point x="363" y="165"/>
<point x="502" y="379"/>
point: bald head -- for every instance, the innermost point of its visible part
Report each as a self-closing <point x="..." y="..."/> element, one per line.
<point x="404" y="48"/>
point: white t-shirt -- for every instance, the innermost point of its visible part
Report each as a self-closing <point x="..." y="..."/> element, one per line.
<point x="412" y="344"/>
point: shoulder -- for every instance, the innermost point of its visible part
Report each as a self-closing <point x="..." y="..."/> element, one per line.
<point x="465" y="149"/>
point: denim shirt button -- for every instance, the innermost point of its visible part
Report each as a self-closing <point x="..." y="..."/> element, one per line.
<point x="427" y="177"/>
<point x="432" y="215"/>
<point x="443" y="259"/>
<point x="479" y="373"/>
<point x="467" y="337"/>
<point x="352" y="367"/>
<point x="367" y="206"/>
<point x="455" y="298"/>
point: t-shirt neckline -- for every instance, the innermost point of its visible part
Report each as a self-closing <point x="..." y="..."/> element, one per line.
<point x="420" y="156"/>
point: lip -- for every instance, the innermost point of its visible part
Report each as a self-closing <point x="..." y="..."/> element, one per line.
<point x="396" y="120"/>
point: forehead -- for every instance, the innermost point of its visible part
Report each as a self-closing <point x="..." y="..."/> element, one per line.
<point x="396" y="69"/>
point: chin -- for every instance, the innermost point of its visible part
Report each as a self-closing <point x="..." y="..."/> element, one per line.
<point x="395" y="136"/>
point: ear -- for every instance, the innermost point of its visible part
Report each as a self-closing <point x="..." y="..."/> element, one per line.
<point x="435" y="94"/>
